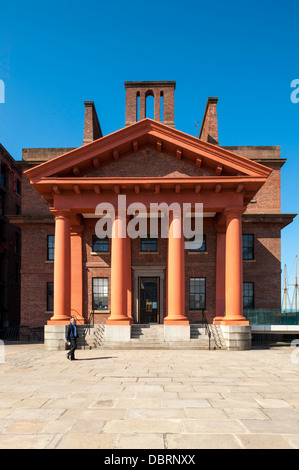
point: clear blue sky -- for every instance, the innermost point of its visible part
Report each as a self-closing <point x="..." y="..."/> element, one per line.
<point x="54" y="55"/>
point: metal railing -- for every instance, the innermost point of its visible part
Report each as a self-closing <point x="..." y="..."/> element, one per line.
<point x="207" y="326"/>
<point x="90" y="321"/>
<point x="271" y="317"/>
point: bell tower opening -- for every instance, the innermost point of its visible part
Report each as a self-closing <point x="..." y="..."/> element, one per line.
<point x="150" y="99"/>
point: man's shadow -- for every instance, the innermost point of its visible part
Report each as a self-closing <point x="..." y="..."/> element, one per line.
<point x="96" y="358"/>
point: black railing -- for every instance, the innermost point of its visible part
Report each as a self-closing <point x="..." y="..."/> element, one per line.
<point x="90" y="321"/>
<point x="207" y="326"/>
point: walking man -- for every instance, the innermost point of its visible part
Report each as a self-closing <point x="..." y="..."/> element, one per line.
<point x="71" y="338"/>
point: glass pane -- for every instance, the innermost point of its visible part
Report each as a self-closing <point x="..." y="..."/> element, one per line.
<point x="195" y="246"/>
<point x="197" y="295"/>
<point x="248" y="246"/>
<point x="50" y="296"/>
<point x="100" y="293"/>
<point x="100" y="245"/>
<point x="50" y="248"/>
<point x="148" y="244"/>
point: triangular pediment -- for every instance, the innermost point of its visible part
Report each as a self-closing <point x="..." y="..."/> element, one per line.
<point x="148" y="148"/>
<point x="150" y="163"/>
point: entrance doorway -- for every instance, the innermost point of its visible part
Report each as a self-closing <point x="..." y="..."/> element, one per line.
<point x="149" y="308"/>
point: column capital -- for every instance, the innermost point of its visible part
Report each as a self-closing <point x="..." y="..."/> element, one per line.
<point x="233" y="213"/>
<point x="77" y="229"/>
<point x="61" y="214"/>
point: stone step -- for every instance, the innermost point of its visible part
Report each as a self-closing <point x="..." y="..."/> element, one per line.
<point x="156" y="345"/>
<point x="147" y="337"/>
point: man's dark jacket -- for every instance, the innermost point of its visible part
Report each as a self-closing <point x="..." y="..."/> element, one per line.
<point x="70" y="332"/>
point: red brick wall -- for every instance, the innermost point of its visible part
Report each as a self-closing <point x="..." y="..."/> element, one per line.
<point x="10" y="258"/>
<point x="96" y="266"/>
<point x="155" y="89"/>
<point x="32" y="202"/>
<point x="35" y="273"/>
<point x="265" y="269"/>
<point x="149" y="162"/>
<point x="267" y="199"/>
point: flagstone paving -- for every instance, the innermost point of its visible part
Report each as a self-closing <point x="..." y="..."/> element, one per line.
<point x="149" y="399"/>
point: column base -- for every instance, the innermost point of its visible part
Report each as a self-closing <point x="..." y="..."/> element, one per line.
<point x="58" y="322"/>
<point x="237" y="337"/>
<point x="54" y="337"/>
<point x="176" y="321"/>
<point x="231" y="321"/>
<point x="119" y="321"/>
<point x="218" y="320"/>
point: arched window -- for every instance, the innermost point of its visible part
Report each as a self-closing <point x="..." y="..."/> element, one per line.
<point x="161" y="106"/>
<point x="149" y="105"/>
<point x="137" y="106"/>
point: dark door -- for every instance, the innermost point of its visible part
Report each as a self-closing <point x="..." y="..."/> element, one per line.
<point x="149" y="300"/>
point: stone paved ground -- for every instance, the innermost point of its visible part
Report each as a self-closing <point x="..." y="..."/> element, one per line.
<point x="149" y="399"/>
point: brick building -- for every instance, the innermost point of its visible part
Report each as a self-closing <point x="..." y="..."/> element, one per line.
<point x="10" y="241"/>
<point x="150" y="280"/>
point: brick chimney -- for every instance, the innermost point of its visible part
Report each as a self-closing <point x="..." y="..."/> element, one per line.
<point x="209" y="127"/>
<point x="139" y="91"/>
<point x="92" y="128"/>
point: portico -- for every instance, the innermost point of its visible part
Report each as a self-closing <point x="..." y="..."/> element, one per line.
<point x="73" y="186"/>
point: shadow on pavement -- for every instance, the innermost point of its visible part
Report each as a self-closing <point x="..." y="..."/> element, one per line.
<point x="96" y="358"/>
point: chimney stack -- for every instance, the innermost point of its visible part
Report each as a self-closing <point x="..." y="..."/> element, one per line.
<point x="209" y="127"/>
<point x="163" y="94"/>
<point x="92" y="128"/>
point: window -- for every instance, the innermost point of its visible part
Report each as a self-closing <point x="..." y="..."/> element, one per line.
<point x="161" y="106"/>
<point x="18" y="209"/>
<point x="2" y="176"/>
<point x="194" y="246"/>
<point x="248" y="295"/>
<point x="2" y="204"/>
<point x="248" y="247"/>
<point x="100" y="245"/>
<point x="50" y="247"/>
<point x="149" y="105"/>
<point x="100" y="293"/>
<point x="197" y="293"/>
<point x="18" y="243"/>
<point x="17" y="273"/>
<point x="149" y="245"/>
<point x="50" y="297"/>
<point x="18" y="188"/>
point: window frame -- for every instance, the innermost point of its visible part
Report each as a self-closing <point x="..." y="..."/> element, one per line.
<point x="95" y="240"/>
<point x="198" y="250"/>
<point x="3" y="177"/>
<point x="50" y="249"/>
<point x="252" y="300"/>
<point x="199" y="293"/>
<point x="148" y="241"/>
<point x="93" y="294"/>
<point x="48" y="296"/>
<point x="248" y="247"/>
<point x="18" y="243"/>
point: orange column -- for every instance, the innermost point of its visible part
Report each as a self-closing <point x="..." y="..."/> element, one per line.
<point x="220" y="274"/>
<point x="234" y="270"/>
<point x="62" y="269"/>
<point x="77" y="274"/>
<point x="129" y="277"/>
<point x="119" y="275"/>
<point x="175" y="274"/>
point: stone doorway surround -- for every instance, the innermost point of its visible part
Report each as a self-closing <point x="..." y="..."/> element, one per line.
<point x="147" y="271"/>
